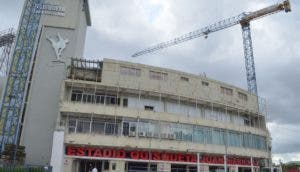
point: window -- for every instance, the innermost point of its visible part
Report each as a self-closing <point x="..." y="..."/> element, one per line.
<point x="184" y="79"/>
<point x="242" y="96"/>
<point x="130" y="71"/>
<point x="158" y="76"/>
<point x="76" y="95"/>
<point x="132" y="129"/>
<point x="113" y="166"/>
<point x="106" y="165"/>
<point x="98" y="127"/>
<point x="167" y="130"/>
<point x="125" y="128"/>
<point x="112" y="100"/>
<point x="205" y="83"/>
<point x="226" y="91"/>
<point x="83" y="127"/>
<point x="111" y="128"/>
<point x="99" y="98"/>
<point x="72" y="125"/>
<point x="246" y="121"/>
<point x="125" y="102"/>
<point x="151" y="108"/>
<point x="88" y="98"/>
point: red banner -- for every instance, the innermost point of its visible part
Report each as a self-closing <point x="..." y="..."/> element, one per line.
<point x="155" y="155"/>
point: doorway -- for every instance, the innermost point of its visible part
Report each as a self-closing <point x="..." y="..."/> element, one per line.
<point x="88" y="165"/>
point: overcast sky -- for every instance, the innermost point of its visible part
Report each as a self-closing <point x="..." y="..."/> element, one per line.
<point x="122" y="27"/>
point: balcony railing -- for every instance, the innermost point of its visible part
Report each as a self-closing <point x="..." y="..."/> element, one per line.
<point x="87" y="70"/>
<point x="162" y="130"/>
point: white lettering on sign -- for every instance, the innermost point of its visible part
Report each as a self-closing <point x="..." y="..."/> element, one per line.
<point x="51" y="9"/>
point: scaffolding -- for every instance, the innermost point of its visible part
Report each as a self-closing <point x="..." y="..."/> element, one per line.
<point x="12" y="105"/>
<point x="193" y="108"/>
<point x="7" y="38"/>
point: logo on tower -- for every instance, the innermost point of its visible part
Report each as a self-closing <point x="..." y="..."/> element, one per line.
<point x="58" y="45"/>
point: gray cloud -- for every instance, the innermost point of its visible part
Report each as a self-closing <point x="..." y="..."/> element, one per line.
<point x="275" y="42"/>
<point x="10" y="11"/>
<point x="285" y="138"/>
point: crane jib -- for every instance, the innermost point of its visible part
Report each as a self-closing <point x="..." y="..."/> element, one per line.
<point x="243" y="19"/>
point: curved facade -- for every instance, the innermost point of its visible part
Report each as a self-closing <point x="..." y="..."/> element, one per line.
<point x="121" y="116"/>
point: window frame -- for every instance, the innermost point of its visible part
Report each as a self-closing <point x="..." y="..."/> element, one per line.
<point x="156" y="75"/>
<point x="184" y="79"/>
<point x="130" y="71"/>
<point x="226" y="91"/>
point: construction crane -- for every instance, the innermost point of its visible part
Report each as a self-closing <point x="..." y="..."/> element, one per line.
<point x="14" y="94"/>
<point x="244" y="20"/>
<point x="7" y="38"/>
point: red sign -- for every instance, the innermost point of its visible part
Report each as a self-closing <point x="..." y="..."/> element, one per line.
<point x="154" y="155"/>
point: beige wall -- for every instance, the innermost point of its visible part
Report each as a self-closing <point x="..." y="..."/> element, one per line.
<point x="193" y="89"/>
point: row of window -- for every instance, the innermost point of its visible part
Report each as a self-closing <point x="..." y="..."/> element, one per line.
<point x="229" y="92"/>
<point x="166" y="130"/>
<point x="164" y="77"/>
<point x="137" y="72"/>
<point x="207" y="113"/>
<point x="97" y="98"/>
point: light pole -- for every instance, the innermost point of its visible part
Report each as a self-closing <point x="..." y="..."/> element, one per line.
<point x="225" y="156"/>
<point x="149" y="155"/>
<point x="198" y="162"/>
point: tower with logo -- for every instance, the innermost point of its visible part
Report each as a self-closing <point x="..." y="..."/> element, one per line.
<point x="62" y="33"/>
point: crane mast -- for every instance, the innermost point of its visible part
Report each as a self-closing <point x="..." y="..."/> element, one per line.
<point x="7" y="38"/>
<point x="243" y="19"/>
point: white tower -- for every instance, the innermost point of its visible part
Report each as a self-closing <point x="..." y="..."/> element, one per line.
<point x="62" y="36"/>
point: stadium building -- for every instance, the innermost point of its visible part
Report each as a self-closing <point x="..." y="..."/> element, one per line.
<point x="122" y="116"/>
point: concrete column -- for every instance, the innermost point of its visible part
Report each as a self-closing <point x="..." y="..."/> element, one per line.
<point x="187" y="169"/>
<point x="252" y="168"/>
<point x="225" y="163"/>
<point x="233" y="169"/>
<point x="57" y="155"/>
<point x="70" y="165"/>
<point x="204" y="168"/>
<point x="119" y="166"/>
<point x="198" y="162"/>
<point x="163" y="167"/>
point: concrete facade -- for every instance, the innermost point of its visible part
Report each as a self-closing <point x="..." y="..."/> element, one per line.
<point x="190" y="101"/>
<point x="48" y="72"/>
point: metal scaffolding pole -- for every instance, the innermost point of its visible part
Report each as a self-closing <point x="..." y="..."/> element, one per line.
<point x="12" y="106"/>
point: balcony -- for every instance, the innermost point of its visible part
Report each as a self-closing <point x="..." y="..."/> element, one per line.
<point x="86" y="70"/>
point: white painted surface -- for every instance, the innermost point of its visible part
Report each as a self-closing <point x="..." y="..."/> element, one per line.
<point x="57" y="156"/>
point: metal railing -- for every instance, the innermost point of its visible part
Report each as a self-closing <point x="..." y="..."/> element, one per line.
<point x="26" y="168"/>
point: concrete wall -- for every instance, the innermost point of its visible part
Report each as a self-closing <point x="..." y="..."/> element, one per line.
<point x="57" y="159"/>
<point x="173" y="85"/>
<point x="43" y="101"/>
